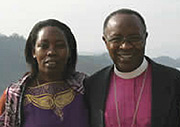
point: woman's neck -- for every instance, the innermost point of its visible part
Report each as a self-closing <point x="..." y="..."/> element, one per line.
<point x="43" y="78"/>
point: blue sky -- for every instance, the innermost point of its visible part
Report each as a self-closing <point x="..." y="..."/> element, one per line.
<point x="85" y="18"/>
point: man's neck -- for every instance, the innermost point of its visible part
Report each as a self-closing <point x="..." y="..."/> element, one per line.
<point x="134" y="73"/>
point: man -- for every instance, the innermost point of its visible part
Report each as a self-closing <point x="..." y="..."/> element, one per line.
<point x="134" y="91"/>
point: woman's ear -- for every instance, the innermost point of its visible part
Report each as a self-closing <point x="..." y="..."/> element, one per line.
<point x="33" y="53"/>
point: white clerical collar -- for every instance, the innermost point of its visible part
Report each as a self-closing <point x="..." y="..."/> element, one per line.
<point x="134" y="73"/>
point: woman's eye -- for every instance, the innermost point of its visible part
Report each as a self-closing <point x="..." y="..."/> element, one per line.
<point x="44" y="45"/>
<point x="60" y="45"/>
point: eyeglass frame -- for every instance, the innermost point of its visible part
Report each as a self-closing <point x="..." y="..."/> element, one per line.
<point x="123" y="39"/>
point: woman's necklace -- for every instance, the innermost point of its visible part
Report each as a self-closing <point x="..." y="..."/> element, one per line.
<point x="137" y="104"/>
<point x="46" y="85"/>
<point x="47" y="82"/>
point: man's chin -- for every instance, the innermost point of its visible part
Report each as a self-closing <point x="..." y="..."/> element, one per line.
<point x="125" y="66"/>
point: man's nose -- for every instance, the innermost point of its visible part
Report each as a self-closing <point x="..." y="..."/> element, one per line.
<point x="126" y="45"/>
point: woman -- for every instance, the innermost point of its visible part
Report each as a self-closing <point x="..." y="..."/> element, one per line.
<point x="51" y="94"/>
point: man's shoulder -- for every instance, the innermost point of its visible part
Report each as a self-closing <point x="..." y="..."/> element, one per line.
<point x="100" y="75"/>
<point x="163" y="69"/>
<point x="105" y="70"/>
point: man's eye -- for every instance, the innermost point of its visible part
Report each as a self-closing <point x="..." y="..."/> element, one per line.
<point x="135" y="39"/>
<point x="115" y="40"/>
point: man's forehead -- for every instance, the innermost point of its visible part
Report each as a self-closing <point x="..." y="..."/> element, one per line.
<point x="123" y="17"/>
<point x="122" y="20"/>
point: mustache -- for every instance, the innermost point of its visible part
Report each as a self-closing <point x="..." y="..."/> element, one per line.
<point x="124" y="52"/>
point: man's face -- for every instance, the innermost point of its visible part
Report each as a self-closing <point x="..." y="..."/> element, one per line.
<point x="125" y="40"/>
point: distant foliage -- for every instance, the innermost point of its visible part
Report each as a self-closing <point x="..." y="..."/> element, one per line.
<point x="12" y="64"/>
<point x="168" y="61"/>
<point x="90" y="64"/>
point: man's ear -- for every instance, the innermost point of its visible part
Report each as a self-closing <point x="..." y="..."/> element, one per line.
<point x="104" y="39"/>
<point x="146" y="35"/>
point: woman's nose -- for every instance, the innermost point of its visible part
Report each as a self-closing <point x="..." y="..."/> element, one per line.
<point x="51" y="51"/>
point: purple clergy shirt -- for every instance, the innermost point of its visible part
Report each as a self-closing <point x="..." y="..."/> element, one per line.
<point x="127" y="91"/>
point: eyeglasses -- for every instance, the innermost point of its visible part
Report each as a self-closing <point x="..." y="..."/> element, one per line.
<point x="132" y="39"/>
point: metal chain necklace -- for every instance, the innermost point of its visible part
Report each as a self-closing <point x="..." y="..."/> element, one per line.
<point x="137" y="104"/>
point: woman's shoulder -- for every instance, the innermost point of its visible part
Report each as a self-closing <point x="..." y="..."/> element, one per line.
<point x="16" y="86"/>
<point x="79" y="76"/>
<point x="2" y="102"/>
<point x="76" y="81"/>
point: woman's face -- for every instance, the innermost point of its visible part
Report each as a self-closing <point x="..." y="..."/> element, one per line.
<point x="51" y="50"/>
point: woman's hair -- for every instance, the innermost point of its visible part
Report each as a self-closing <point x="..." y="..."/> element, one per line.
<point x="32" y="38"/>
